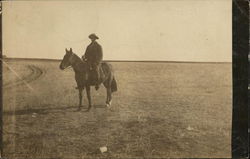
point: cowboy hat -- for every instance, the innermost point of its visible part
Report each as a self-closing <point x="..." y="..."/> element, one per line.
<point x="93" y="36"/>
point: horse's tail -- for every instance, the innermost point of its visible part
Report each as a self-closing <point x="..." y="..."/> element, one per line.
<point x="113" y="85"/>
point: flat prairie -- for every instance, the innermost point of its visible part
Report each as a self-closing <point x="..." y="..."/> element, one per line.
<point x="161" y="110"/>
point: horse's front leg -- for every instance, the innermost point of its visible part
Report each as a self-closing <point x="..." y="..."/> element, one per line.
<point x="88" y="96"/>
<point x="80" y="98"/>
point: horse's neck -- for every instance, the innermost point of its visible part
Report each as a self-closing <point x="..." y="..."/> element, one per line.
<point x="77" y="64"/>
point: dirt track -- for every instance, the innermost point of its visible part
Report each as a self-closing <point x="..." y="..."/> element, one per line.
<point x="161" y="110"/>
<point x="36" y="72"/>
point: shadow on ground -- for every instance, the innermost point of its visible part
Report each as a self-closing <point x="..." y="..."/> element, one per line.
<point x="50" y="110"/>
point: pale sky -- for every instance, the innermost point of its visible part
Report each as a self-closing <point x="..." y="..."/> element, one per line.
<point x="169" y="30"/>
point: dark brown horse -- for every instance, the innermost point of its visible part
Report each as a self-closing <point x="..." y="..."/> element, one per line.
<point x="83" y="76"/>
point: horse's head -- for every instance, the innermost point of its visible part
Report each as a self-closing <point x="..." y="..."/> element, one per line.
<point x="67" y="59"/>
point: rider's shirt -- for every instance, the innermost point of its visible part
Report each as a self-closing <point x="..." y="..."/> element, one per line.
<point x="94" y="53"/>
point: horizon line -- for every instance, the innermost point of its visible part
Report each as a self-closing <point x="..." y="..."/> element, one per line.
<point x="157" y="61"/>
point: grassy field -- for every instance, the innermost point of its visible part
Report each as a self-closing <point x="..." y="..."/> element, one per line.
<point x="170" y="110"/>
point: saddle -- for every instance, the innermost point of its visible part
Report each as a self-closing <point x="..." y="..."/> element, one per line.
<point x="92" y="75"/>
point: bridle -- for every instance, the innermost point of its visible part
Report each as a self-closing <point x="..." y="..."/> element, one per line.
<point x="71" y="58"/>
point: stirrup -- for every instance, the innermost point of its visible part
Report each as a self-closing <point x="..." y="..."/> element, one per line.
<point x="97" y="86"/>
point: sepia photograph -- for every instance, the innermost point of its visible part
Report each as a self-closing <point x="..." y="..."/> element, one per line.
<point x="117" y="79"/>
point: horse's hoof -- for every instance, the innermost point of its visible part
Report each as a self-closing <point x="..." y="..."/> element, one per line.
<point x="88" y="109"/>
<point x="108" y="105"/>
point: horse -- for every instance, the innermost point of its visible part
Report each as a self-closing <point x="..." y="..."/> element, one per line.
<point x="83" y="74"/>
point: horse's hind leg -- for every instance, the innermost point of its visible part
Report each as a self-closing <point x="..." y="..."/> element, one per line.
<point x="108" y="89"/>
<point x="109" y="97"/>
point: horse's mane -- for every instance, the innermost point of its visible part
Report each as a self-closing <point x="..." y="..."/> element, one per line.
<point x="79" y="63"/>
<point x="77" y="57"/>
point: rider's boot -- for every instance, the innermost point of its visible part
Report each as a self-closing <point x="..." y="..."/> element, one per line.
<point x="97" y="86"/>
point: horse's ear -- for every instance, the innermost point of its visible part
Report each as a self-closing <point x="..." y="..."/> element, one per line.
<point x="70" y="50"/>
<point x="66" y="50"/>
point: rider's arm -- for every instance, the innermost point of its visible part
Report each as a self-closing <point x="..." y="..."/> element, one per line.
<point x="100" y="54"/>
<point x="86" y="54"/>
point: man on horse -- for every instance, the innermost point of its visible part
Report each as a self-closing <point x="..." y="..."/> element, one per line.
<point x="93" y="56"/>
